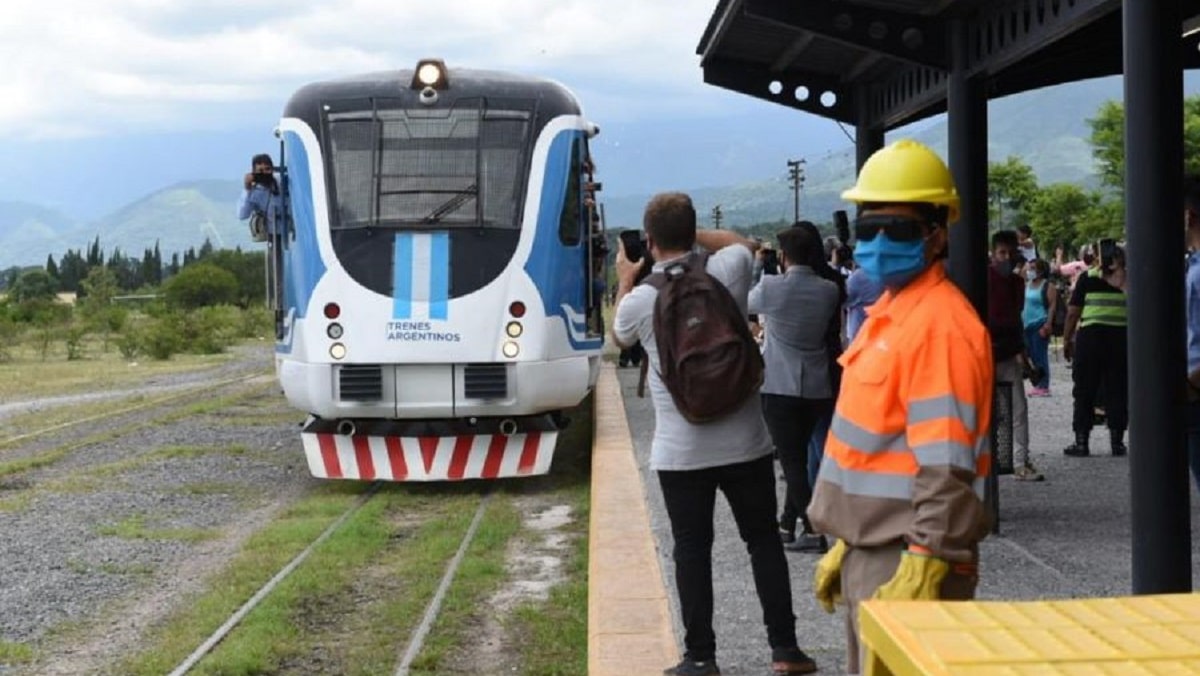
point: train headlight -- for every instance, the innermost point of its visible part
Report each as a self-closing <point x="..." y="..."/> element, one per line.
<point x="510" y="349"/>
<point x="429" y="73"/>
<point x="332" y="311"/>
<point x="337" y="351"/>
<point x="514" y="329"/>
<point x="334" y="331"/>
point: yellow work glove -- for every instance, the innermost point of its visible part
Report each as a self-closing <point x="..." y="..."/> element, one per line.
<point x="827" y="578"/>
<point x="918" y="577"/>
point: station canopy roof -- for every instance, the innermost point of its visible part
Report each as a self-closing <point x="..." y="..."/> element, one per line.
<point x="886" y="63"/>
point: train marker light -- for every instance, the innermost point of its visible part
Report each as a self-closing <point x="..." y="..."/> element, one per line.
<point x="510" y="349"/>
<point x="334" y="331"/>
<point x="337" y="351"/>
<point x="517" y="309"/>
<point x="513" y="329"/>
<point x="429" y="73"/>
<point x="332" y="311"/>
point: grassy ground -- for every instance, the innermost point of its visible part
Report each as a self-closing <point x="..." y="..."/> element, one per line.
<point x="26" y="374"/>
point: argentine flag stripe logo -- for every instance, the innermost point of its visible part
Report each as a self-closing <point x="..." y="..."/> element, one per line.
<point x="421" y="276"/>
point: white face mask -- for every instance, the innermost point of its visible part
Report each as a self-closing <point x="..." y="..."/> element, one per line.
<point x="1031" y="275"/>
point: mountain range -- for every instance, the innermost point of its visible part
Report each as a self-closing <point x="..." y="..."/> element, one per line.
<point x="1046" y="128"/>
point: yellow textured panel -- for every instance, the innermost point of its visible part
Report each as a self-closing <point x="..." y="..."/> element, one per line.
<point x="1123" y="635"/>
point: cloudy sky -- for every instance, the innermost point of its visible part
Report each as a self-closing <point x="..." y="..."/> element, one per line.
<point x="93" y="67"/>
<point x="100" y="85"/>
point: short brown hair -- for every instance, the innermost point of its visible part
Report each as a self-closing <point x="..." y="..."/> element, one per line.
<point x="670" y="220"/>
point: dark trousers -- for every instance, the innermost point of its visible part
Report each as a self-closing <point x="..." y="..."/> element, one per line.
<point x="690" y="497"/>
<point x="1100" y="360"/>
<point x="1193" y="439"/>
<point x="791" y="421"/>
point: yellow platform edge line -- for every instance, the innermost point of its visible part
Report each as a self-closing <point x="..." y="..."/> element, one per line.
<point x="629" y="620"/>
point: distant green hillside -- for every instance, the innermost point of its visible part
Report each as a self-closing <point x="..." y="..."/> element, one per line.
<point x="178" y="217"/>
<point x="26" y="228"/>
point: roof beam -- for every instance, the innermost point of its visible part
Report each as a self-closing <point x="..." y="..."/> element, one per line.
<point x="714" y="34"/>
<point x="908" y="37"/>
<point x="824" y="96"/>
<point x="787" y="56"/>
<point x="1008" y="32"/>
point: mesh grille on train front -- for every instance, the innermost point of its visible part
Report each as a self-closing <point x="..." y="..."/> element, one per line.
<point x="485" y="381"/>
<point x="360" y="382"/>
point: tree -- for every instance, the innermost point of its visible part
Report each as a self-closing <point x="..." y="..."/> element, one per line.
<point x="51" y="267"/>
<point x="248" y="268"/>
<point x="1108" y="141"/>
<point x="33" y="285"/>
<point x="99" y="288"/>
<point x="71" y="271"/>
<point x="1056" y="213"/>
<point x="199" y="285"/>
<point x="1012" y="186"/>
<point x="1105" y="218"/>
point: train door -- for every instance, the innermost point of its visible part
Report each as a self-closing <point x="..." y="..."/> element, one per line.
<point x="277" y="242"/>
<point x="596" y="278"/>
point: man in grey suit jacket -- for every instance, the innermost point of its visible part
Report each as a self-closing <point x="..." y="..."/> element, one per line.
<point x="795" y="309"/>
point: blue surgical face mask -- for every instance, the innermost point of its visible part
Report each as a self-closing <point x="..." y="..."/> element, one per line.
<point x="890" y="262"/>
<point x="1031" y="275"/>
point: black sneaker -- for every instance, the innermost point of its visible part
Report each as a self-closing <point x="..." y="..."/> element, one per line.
<point x="1119" y="449"/>
<point x="808" y="542"/>
<point x="787" y="537"/>
<point x="791" y="661"/>
<point x="692" y="668"/>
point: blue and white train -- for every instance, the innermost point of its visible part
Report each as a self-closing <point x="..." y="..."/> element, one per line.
<point x="433" y="272"/>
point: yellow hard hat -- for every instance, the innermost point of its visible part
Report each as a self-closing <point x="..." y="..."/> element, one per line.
<point x="906" y="171"/>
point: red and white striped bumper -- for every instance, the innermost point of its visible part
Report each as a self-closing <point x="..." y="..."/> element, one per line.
<point x="391" y="458"/>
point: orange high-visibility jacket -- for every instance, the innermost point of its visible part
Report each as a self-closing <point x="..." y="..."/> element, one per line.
<point x="909" y="446"/>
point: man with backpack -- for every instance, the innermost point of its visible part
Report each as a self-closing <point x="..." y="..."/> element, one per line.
<point x="690" y="315"/>
<point x="901" y="485"/>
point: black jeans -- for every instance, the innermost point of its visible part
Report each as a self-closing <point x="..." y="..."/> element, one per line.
<point x="791" y="421"/>
<point x="690" y="497"/>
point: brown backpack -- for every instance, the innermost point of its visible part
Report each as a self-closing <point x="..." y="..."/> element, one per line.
<point x="707" y="358"/>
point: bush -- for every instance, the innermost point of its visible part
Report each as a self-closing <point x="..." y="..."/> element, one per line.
<point x="129" y="344"/>
<point x="210" y="329"/>
<point x="74" y="341"/>
<point x="257" y="321"/>
<point x="161" y="339"/>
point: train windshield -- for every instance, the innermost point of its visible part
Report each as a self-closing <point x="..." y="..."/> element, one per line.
<point x="395" y="167"/>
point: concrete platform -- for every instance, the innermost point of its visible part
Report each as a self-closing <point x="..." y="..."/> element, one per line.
<point x="1066" y="537"/>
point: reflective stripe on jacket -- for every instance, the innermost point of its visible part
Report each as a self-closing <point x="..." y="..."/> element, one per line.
<point x="1105" y="308"/>
<point x="909" y="445"/>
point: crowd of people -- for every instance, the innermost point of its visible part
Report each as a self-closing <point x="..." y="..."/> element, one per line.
<point x="877" y="393"/>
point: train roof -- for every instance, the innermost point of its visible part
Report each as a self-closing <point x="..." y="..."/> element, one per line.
<point x="554" y="98"/>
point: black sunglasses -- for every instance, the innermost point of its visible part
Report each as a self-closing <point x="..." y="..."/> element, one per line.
<point x="897" y="228"/>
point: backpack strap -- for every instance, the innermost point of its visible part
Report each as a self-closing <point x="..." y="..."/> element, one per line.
<point x="658" y="280"/>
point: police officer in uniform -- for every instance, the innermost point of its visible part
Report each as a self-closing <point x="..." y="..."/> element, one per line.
<point x="1097" y="350"/>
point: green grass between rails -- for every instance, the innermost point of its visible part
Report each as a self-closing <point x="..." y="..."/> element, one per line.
<point x="553" y="634"/>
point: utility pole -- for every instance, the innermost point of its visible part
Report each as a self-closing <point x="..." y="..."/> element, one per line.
<point x="796" y="176"/>
<point x="716" y="215"/>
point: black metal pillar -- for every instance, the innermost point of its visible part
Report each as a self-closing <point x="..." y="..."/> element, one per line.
<point x="967" y="120"/>
<point x="868" y="137"/>
<point x="1158" y="471"/>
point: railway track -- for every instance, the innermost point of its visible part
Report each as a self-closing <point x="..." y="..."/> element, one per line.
<point x="122" y="523"/>
<point x="411" y="648"/>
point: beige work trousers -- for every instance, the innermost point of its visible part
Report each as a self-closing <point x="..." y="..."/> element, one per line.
<point x="865" y="570"/>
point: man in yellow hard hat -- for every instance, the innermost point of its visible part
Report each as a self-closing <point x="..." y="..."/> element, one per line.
<point x="901" y="485"/>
